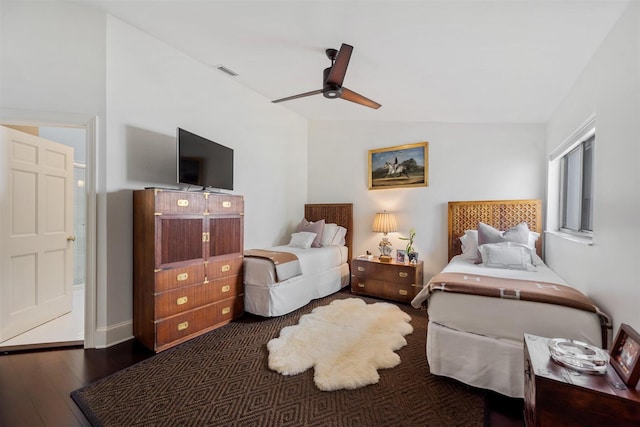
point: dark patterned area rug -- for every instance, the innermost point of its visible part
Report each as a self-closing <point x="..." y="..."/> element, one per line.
<point x="222" y="379"/>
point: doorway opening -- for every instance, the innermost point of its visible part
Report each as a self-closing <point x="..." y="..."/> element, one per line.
<point x="68" y="329"/>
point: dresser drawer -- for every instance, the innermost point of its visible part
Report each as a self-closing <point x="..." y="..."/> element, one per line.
<point x="223" y="268"/>
<point x="195" y="322"/>
<point x="399" y="274"/>
<point x="179" y="203"/>
<point x="383" y="289"/>
<point x="225" y="204"/>
<point x="227" y="287"/>
<point x="179" y="277"/>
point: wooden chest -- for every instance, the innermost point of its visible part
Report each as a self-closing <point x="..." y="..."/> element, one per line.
<point x="395" y="281"/>
<point x="559" y="396"/>
<point x="187" y="253"/>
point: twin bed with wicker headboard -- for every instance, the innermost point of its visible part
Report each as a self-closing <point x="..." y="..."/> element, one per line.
<point x="274" y="286"/>
<point x="485" y="300"/>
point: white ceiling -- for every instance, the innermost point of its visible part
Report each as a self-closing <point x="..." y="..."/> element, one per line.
<point x="509" y="61"/>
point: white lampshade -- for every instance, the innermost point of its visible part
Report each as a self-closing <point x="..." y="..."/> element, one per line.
<point x="385" y="222"/>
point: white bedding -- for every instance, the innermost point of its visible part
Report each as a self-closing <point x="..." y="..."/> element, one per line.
<point x="259" y="271"/>
<point x="479" y="340"/>
<point x="324" y="271"/>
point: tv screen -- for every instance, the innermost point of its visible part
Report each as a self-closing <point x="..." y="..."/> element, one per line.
<point x="203" y="162"/>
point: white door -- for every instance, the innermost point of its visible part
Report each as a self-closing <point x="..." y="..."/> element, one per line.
<point x="36" y="231"/>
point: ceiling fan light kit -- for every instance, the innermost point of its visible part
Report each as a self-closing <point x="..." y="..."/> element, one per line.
<point x="332" y="80"/>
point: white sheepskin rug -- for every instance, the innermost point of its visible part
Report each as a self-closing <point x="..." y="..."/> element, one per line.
<point x="346" y="342"/>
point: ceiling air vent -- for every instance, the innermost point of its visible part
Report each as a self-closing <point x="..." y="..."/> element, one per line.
<point x="227" y="70"/>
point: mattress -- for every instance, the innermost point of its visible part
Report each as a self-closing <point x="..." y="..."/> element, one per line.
<point x="261" y="272"/>
<point x="508" y="319"/>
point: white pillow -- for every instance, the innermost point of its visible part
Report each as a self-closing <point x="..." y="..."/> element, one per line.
<point x="507" y="255"/>
<point x="338" y="239"/>
<point x="303" y="239"/>
<point x="328" y="234"/>
<point x="469" y="241"/>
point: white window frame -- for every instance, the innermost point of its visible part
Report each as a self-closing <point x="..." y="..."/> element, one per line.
<point x="556" y="160"/>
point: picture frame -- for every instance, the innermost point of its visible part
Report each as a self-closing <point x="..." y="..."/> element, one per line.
<point x="401" y="166"/>
<point x="400" y="255"/>
<point x="625" y="355"/>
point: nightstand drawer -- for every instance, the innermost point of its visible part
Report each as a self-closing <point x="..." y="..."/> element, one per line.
<point x="390" y="272"/>
<point x="398" y="282"/>
<point x="384" y="289"/>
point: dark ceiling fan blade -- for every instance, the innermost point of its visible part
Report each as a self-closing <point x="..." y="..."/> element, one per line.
<point x="339" y="68"/>
<point x="350" y="95"/>
<point x="302" y="95"/>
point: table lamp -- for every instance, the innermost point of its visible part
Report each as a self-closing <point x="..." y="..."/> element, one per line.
<point x="385" y="222"/>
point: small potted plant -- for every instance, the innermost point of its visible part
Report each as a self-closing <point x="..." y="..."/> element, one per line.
<point x="411" y="253"/>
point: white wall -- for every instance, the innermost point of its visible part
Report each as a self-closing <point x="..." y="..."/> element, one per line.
<point x="466" y="162"/>
<point x="68" y="60"/>
<point x="151" y="89"/>
<point x="53" y="57"/>
<point x="608" y="271"/>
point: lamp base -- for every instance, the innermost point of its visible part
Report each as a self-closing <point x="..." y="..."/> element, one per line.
<point x="384" y="258"/>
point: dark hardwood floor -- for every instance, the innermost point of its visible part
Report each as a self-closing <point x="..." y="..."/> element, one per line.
<point x="35" y="385"/>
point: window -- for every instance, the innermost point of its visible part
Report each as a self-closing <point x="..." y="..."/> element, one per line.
<point x="576" y="192"/>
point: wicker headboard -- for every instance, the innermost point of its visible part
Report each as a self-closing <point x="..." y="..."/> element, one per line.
<point x="501" y="214"/>
<point x="338" y="213"/>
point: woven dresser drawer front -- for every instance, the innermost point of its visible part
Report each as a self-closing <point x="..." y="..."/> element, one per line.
<point x="179" y="277"/>
<point x="195" y="322"/>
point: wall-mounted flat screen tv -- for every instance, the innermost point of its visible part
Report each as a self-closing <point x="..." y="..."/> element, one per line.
<point x="202" y="162"/>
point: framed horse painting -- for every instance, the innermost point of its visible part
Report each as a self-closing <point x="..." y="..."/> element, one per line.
<point x="400" y="166"/>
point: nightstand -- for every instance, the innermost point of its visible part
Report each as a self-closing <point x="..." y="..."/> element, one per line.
<point x="558" y="396"/>
<point x="390" y="280"/>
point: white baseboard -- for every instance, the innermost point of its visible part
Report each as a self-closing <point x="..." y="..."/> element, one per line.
<point x="113" y="334"/>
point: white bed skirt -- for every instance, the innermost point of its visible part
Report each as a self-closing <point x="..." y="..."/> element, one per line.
<point x="285" y="297"/>
<point x="476" y="360"/>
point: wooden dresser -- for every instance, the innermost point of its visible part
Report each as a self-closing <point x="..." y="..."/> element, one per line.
<point x="187" y="264"/>
<point x="390" y="280"/>
<point x="559" y="396"/>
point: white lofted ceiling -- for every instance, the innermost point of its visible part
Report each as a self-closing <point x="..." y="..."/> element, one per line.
<point x="502" y="61"/>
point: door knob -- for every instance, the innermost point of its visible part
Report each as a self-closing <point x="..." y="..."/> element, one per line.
<point x="71" y="238"/>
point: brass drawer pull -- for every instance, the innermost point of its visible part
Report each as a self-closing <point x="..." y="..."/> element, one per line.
<point x="226" y="204"/>
<point x="206" y="236"/>
<point x="225" y="268"/>
<point x="182" y="326"/>
<point x="403" y="274"/>
<point x="182" y="300"/>
<point x="226" y="288"/>
<point x="403" y="292"/>
<point x="182" y="277"/>
<point x="361" y="285"/>
<point x="415" y="285"/>
<point x="226" y="310"/>
<point x="183" y="203"/>
<point x="360" y="268"/>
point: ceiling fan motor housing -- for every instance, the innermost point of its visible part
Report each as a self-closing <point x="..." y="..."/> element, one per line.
<point x="329" y="90"/>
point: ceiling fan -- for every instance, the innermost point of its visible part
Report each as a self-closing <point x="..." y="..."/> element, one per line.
<point x="333" y="78"/>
